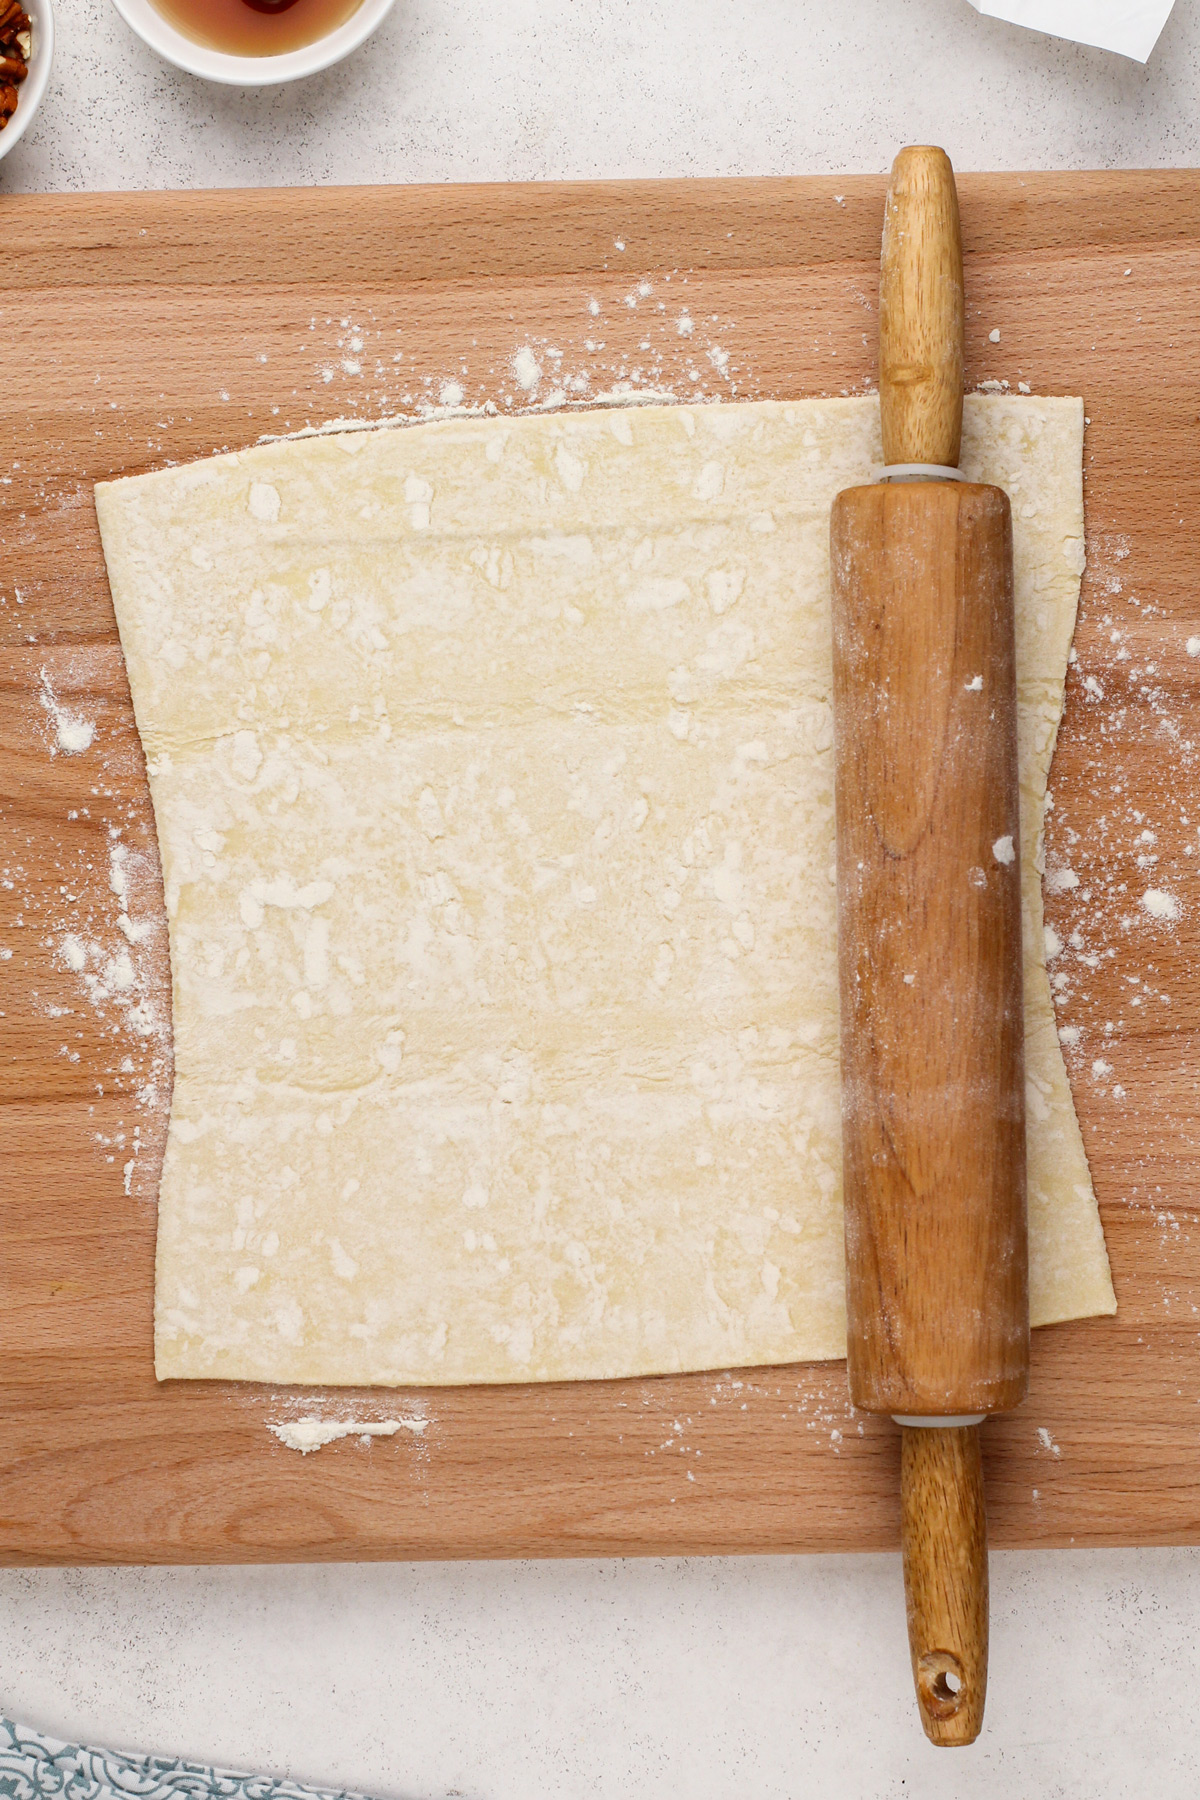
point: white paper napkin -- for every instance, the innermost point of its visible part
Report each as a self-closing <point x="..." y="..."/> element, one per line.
<point x="1130" y="27"/>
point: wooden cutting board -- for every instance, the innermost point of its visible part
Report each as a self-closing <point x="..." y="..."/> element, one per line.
<point x="150" y="328"/>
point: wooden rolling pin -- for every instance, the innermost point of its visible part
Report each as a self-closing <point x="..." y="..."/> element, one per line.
<point x="929" y="941"/>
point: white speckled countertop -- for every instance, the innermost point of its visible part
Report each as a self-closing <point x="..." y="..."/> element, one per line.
<point x="463" y="90"/>
<point x="707" y="1679"/>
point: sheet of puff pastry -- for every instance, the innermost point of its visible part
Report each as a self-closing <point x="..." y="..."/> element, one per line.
<point x="492" y="767"/>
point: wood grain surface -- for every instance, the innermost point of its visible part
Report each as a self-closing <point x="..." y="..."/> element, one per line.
<point x="929" y="956"/>
<point x="943" y="1528"/>
<point x="150" y="328"/>
<point x="921" y="312"/>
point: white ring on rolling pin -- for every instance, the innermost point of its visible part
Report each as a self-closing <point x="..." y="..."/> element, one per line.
<point x="947" y="1421"/>
<point x="916" y="472"/>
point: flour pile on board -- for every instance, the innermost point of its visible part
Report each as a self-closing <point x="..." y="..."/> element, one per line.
<point x="72" y="735"/>
<point x="309" y="1434"/>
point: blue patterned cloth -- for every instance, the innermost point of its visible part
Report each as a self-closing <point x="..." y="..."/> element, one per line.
<point x="33" y="1767"/>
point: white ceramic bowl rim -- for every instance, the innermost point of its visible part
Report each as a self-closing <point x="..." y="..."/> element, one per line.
<point x="250" y="71"/>
<point x="41" y="55"/>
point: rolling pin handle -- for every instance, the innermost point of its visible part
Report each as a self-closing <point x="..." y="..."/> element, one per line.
<point x="944" y="1542"/>
<point x="921" y="312"/>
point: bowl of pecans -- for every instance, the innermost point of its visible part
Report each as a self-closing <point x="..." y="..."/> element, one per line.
<point x="26" y="48"/>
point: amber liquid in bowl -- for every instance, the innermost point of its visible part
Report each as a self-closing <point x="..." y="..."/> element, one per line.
<point x="256" y="27"/>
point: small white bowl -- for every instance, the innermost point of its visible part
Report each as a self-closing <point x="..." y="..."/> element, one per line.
<point x="41" y="55"/>
<point x="249" y="71"/>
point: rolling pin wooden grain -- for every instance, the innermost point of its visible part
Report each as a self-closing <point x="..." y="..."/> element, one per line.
<point x="929" y="947"/>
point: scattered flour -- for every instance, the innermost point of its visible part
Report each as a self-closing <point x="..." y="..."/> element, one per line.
<point x="73" y="952"/>
<point x="95" y="917"/>
<point x="652" y="347"/>
<point x="1161" y="905"/>
<point x="526" y="368"/>
<point x="1060" y="880"/>
<point x="309" y="1434"/>
<point x="72" y="735"/>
